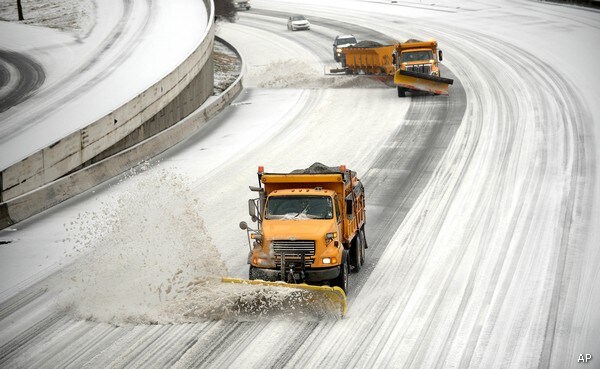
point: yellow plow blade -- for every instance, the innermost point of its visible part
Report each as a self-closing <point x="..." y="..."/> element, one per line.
<point x="334" y="297"/>
<point x="422" y="82"/>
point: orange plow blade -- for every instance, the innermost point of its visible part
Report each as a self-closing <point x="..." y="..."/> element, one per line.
<point x="422" y="82"/>
<point x="317" y="300"/>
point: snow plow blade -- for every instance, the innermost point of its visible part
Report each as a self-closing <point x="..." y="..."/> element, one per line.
<point x="422" y="82"/>
<point x="332" y="297"/>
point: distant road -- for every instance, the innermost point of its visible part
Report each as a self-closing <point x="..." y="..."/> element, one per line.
<point x="20" y="76"/>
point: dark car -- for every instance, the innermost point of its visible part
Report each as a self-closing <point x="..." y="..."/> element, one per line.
<point x="339" y="43"/>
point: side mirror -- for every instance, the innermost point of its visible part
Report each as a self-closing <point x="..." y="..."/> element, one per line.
<point x="243" y="225"/>
<point x="440" y="55"/>
<point x="252" y="210"/>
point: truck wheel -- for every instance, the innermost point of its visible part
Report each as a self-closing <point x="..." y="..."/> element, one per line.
<point x="401" y="91"/>
<point x="251" y="273"/>
<point x="358" y="253"/>
<point x="342" y="280"/>
<point x="363" y="243"/>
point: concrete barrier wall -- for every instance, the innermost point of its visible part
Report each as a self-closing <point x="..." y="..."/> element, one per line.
<point x="588" y="3"/>
<point x="166" y="102"/>
<point x="34" y="202"/>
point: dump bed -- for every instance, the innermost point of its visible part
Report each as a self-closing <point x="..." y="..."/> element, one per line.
<point x="370" y="60"/>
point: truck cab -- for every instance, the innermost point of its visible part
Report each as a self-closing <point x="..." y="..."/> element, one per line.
<point x="419" y="57"/>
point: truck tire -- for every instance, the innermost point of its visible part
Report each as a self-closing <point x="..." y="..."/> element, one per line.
<point x="251" y="273"/>
<point x="342" y="280"/>
<point x="358" y="252"/>
<point x="363" y="241"/>
<point x="401" y="91"/>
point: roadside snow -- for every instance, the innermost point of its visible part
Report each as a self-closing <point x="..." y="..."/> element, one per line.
<point x="76" y="16"/>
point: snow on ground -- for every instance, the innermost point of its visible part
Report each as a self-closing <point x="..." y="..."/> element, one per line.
<point x="227" y="67"/>
<point x="129" y="47"/>
<point x="67" y="15"/>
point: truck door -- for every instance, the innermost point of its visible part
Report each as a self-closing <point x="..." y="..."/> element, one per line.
<point x="338" y="216"/>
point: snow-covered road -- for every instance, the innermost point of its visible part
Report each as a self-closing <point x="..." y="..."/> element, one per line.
<point x="129" y="46"/>
<point x="481" y="207"/>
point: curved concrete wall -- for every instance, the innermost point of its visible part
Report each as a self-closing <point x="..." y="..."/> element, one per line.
<point x="53" y="193"/>
<point x="168" y="101"/>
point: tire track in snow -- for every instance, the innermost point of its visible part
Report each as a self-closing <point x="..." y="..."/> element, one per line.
<point x="421" y="350"/>
<point x="29" y="76"/>
<point x="27" y="338"/>
<point x="572" y="107"/>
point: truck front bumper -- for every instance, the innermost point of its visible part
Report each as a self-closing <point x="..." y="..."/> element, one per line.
<point x="310" y="275"/>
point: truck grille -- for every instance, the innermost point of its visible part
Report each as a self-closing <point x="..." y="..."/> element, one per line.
<point x="419" y="68"/>
<point x="293" y="251"/>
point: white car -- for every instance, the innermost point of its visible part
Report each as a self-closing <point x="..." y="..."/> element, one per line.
<point x="296" y="22"/>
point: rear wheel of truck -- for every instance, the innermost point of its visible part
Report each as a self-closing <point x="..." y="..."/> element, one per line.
<point x="363" y="241"/>
<point x="358" y="252"/>
<point x="401" y="91"/>
<point x="342" y="280"/>
<point x="251" y="274"/>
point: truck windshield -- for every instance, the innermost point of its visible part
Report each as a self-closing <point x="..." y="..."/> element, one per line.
<point x="347" y="40"/>
<point x="299" y="207"/>
<point x="413" y="56"/>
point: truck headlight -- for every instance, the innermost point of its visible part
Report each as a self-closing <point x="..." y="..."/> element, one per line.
<point x="262" y="262"/>
<point x="338" y="50"/>
<point x="256" y="236"/>
<point x="329" y="260"/>
<point x="330" y="236"/>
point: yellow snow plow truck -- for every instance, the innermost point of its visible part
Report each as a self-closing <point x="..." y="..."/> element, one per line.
<point x="417" y="68"/>
<point x="413" y="65"/>
<point x="310" y="230"/>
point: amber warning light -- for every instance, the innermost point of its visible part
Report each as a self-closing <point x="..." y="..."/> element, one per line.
<point x="261" y="169"/>
<point x="343" y="168"/>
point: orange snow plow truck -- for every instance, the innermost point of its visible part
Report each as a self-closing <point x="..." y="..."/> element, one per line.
<point x="310" y="230"/>
<point x="414" y="65"/>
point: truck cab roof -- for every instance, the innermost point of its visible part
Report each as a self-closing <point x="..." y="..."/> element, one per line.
<point x="303" y="192"/>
